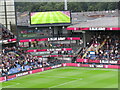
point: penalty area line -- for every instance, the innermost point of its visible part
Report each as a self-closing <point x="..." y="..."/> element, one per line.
<point x="65" y="83"/>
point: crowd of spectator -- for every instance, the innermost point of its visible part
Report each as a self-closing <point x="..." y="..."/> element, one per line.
<point x="14" y="60"/>
<point x="6" y="34"/>
<point x="110" y="49"/>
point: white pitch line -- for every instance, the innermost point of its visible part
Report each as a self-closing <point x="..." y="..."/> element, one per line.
<point x="102" y="69"/>
<point x="62" y="77"/>
<point x="65" y="83"/>
<point x="11" y="85"/>
<point x="95" y="69"/>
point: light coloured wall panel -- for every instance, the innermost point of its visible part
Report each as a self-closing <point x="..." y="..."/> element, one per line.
<point x="11" y="2"/>
<point x="13" y="17"/>
<point x="2" y="21"/>
<point x="2" y="14"/>
<point x="3" y="17"/>
<point x="9" y="27"/>
<point x="10" y="8"/>
<point x="11" y="14"/>
<point x="11" y="20"/>
<point x="1" y="2"/>
<point x="2" y="8"/>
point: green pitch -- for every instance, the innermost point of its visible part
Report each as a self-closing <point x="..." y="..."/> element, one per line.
<point x="49" y="17"/>
<point x="67" y="77"/>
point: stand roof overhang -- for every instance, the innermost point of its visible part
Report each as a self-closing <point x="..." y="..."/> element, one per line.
<point x="103" y="23"/>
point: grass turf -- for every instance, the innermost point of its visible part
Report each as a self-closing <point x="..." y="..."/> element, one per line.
<point x="67" y="77"/>
<point x="49" y="17"/>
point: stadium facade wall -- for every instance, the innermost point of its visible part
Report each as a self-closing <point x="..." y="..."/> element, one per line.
<point x="7" y="13"/>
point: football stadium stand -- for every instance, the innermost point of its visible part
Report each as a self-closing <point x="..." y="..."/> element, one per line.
<point x="101" y="46"/>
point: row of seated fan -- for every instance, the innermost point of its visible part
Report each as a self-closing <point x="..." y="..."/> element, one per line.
<point x="5" y="34"/>
<point x="103" y="47"/>
<point x="14" y="59"/>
